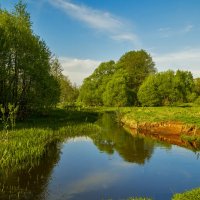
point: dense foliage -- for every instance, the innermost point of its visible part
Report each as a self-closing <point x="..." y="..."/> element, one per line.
<point x="24" y="63"/>
<point x="117" y="84"/>
<point x="30" y="77"/>
<point x="91" y="92"/>
<point x="138" y="65"/>
<point x="133" y="81"/>
<point x="167" y="88"/>
<point x="68" y="92"/>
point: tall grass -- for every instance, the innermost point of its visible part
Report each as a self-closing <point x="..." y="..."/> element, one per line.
<point x="26" y="145"/>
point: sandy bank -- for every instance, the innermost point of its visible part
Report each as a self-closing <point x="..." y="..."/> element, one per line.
<point x="172" y="132"/>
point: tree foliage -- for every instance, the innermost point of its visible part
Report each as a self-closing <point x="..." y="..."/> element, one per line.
<point x="148" y="92"/>
<point x="197" y="86"/>
<point x="116" y="84"/>
<point x="166" y="88"/>
<point x="68" y="92"/>
<point x="116" y="92"/>
<point x="138" y="65"/>
<point x="94" y="86"/>
<point x="25" y="64"/>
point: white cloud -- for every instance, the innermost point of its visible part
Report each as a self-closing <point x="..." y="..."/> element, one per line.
<point x="78" y="69"/>
<point x="105" y="22"/>
<point x="188" y="28"/>
<point x="125" y="36"/>
<point x="91" y="182"/>
<point x="188" y="59"/>
<point x="170" y="32"/>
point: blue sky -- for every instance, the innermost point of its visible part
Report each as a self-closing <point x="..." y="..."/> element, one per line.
<point x="83" y="33"/>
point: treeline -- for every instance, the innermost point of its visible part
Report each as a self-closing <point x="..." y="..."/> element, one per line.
<point x="30" y="77"/>
<point x="168" y="88"/>
<point x="134" y="81"/>
<point x="117" y="84"/>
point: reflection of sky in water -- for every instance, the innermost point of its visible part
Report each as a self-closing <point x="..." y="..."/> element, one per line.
<point x="109" y="165"/>
<point x="85" y="173"/>
<point x="93" y="181"/>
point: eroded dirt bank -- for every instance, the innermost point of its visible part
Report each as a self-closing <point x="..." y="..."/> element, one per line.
<point x="172" y="132"/>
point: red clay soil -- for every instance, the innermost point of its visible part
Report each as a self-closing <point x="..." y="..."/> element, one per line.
<point x="165" y="131"/>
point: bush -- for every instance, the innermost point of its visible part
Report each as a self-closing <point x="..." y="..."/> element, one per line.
<point x="197" y="101"/>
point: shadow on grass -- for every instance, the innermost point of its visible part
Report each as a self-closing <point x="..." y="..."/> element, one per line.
<point x="57" y="118"/>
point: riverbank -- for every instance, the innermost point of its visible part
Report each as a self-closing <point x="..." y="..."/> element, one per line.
<point x="175" y="125"/>
<point x="29" y="142"/>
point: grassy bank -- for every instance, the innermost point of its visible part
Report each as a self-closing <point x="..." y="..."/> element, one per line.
<point x="26" y="145"/>
<point x="188" y="195"/>
<point x="181" y="122"/>
<point x="187" y="115"/>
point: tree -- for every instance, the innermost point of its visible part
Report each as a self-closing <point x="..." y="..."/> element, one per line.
<point x="26" y="78"/>
<point x="148" y="94"/>
<point x="197" y="86"/>
<point x="184" y="86"/>
<point x="139" y="65"/>
<point x="116" y="93"/>
<point x="166" y="91"/>
<point x="166" y="88"/>
<point x="68" y="92"/>
<point x="93" y="87"/>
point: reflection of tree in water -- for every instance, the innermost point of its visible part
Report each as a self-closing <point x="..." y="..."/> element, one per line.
<point x="114" y="138"/>
<point x="32" y="183"/>
<point x="29" y="183"/>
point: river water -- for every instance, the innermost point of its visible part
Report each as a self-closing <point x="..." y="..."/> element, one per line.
<point x="110" y="165"/>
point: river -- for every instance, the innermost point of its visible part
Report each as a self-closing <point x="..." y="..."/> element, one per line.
<point x="111" y="165"/>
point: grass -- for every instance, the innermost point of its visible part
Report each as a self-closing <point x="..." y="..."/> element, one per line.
<point x="189" y="195"/>
<point x="189" y="116"/>
<point x="25" y="146"/>
<point x="186" y="115"/>
<point x="29" y="142"/>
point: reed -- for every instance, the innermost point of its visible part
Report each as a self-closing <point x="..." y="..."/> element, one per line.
<point x="25" y="146"/>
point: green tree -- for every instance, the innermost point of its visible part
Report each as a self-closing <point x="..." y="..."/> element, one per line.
<point x="148" y="93"/>
<point x="184" y="86"/>
<point x="197" y="86"/>
<point x="166" y="88"/>
<point x="25" y="68"/>
<point x="117" y="93"/>
<point x="93" y="87"/>
<point x="139" y="65"/>
<point x="165" y="82"/>
<point x="68" y="92"/>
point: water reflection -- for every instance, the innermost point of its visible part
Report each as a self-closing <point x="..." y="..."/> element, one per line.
<point x="114" y="138"/>
<point x="77" y="169"/>
<point x="32" y="182"/>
